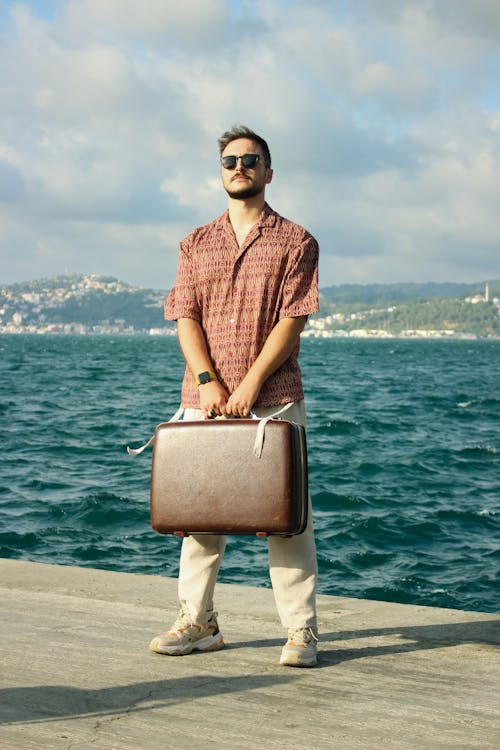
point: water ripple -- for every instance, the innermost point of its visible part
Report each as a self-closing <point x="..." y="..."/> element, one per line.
<point x="404" y="466"/>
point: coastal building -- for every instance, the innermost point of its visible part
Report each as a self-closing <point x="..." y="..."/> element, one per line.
<point x="477" y="298"/>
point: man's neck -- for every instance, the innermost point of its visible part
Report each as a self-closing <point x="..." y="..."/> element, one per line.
<point x="245" y="212"/>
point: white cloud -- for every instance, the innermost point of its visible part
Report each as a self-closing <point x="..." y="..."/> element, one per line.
<point x="382" y="116"/>
<point x="197" y="23"/>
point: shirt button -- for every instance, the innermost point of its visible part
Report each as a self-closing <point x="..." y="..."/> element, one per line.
<point x="231" y="320"/>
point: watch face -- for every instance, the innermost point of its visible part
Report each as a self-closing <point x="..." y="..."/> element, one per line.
<point x="204" y="377"/>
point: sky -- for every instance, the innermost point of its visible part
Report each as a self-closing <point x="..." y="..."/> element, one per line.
<point x="382" y="116"/>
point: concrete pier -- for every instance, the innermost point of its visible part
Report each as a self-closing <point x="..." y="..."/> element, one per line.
<point x="76" y="673"/>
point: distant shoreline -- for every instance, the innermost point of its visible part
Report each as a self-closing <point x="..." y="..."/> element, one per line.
<point x="98" y="305"/>
<point x="308" y="334"/>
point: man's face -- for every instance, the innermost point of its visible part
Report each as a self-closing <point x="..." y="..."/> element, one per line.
<point x="242" y="182"/>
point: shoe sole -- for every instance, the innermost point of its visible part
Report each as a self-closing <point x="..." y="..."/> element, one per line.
<point x="210" y="643"/>
<point x="297" y="660"/>
<point x="290" y="663"/>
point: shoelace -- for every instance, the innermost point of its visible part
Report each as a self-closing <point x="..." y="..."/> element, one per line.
<point x="302" y="635"/>
<point x="184" y="621"/>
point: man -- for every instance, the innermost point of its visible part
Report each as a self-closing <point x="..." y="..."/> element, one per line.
<point x="245" y="285"/>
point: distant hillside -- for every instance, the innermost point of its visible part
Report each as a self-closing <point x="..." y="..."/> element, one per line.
<point x="410" y="309"/>
<point x="381" y="295"/>
<point x="88" y="303"/>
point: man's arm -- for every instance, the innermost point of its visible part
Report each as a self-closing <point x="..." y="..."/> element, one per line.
<point x="279" y="345"/>
<point x="213" y="396"/>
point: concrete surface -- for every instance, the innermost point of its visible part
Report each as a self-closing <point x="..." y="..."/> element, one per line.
<point x="76" y="673"/>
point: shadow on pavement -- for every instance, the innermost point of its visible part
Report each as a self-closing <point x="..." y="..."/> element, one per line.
<point x="42" y="703"/>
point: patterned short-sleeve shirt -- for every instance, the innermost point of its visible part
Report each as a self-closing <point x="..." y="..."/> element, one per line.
<point x="238" y="294"/>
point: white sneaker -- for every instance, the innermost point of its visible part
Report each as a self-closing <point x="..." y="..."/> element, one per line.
<point x="300" y="650"/>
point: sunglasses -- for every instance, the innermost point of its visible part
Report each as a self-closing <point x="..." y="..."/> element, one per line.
<point x="248" y="161"/>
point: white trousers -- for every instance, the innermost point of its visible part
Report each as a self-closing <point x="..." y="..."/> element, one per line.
<point x="293" y="564"/>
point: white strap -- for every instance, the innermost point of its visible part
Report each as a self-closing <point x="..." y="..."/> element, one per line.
<point x="136" y="451"/>
<point x="259" y="438"/>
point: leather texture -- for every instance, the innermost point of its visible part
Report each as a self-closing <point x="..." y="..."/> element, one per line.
<point x="205" y="478"/>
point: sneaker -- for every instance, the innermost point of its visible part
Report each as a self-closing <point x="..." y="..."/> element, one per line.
<point x="185" y="636"/>
<point x="300" y="650"/>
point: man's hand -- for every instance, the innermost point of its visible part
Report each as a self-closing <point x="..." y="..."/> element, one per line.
<point x="278" y="346"/>
<point x="213" y="395"/>
<point x="243" y="398"/>
<point x="213" y="399"/>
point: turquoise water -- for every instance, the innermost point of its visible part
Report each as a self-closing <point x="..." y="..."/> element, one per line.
<point x="403" y="450"/>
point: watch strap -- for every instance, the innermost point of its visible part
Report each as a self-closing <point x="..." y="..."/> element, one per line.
<point x="205" y="377"/>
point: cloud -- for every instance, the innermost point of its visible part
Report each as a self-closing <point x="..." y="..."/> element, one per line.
<point x="192" y="24"/>
<point x="383" y="119"/>
<point x="12" y="187"/>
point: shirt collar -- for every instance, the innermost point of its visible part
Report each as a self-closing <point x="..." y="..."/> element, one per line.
<point x="267" y="218"/>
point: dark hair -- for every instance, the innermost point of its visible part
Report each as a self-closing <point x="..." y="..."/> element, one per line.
<point x="241" y="131"/>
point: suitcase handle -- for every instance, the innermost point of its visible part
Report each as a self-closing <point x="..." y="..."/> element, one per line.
<point x="259" y="438"/>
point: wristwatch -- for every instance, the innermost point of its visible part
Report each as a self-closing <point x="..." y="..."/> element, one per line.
<point x="205" y="377"/>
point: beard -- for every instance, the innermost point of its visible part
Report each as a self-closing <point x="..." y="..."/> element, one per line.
<point x="241" y="195"/>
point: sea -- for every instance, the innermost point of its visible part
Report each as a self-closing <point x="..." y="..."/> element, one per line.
<point x="404" y="462"/>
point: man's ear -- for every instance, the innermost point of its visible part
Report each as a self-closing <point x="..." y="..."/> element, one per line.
<point x="269" y="176"/>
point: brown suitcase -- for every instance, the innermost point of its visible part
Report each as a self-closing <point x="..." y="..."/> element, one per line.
<point x="207" y="479"/>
